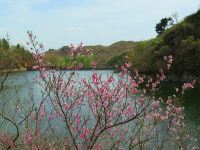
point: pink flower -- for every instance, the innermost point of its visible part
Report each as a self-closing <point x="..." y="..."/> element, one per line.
<point x="178" y="110"/>
<point x="77" y="118"/>
<point x="74" y="51"/>
<point x="79" y="66"/>
<point x="42" y="112"/>
<point x="110" y="80"/>
<point x="94" y="64"/>
<point x="50" y="117"/>
<point x="28" y="137"/>
<point x="32" y="115"/>
<point x="95" y="79"/>
<point x="135" y="91"/>
<point x="75" y="128"/>
<point x="35" y="67"/>
<point x="142" y="100"/>
<point x="169" y="60"/>
<point x="43" y="75"/>
<point x="155" y="104"/>
<point x="128" y="111"/>
<point x="66" y="106"/>
<point x="82" y="136"/>
<point x="127" y="65"/>
<point x="187" y="86"/>
<point x="169" y="101"/>
<point x="84" y="133"/>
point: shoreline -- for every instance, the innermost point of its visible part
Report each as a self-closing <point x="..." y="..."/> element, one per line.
<point x="85" y="68"/>
<point x="22" y="69"/>
<point x="169" y="78"/>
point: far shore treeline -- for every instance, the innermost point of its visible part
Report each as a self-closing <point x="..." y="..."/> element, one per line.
<point x="180" y="39"/>
<point x="13" y="56"/>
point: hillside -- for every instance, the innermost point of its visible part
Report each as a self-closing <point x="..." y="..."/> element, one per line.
<point x="181" y="40"/>
<point x="13" y="56"/>
<point x="102" y="54"/>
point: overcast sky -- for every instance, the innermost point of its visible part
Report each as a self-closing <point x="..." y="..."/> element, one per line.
<point x="62" y="22"/>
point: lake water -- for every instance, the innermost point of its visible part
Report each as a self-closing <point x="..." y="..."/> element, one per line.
<point x="20" y="84"/>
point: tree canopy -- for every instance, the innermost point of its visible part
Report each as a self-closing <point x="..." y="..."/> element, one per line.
<point x="164" y="24"/>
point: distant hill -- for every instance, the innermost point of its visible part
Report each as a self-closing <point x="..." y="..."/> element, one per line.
<point x="102" y="54"/>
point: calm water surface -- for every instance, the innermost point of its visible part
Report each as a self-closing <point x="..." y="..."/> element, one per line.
<point x="21" y="84"/>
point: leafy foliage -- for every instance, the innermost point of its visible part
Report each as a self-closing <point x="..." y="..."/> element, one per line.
<point x="12" y="57"/>
<point x="180" y="40"/>
<point x="163" y="24"/>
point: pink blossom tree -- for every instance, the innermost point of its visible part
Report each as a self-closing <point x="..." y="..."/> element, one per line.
<point x="118" y="111"/>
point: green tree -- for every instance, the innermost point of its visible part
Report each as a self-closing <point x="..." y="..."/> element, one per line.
<point x="18" y="46"/>
<point x="5" y="44"/>
<point x="164" y="24"/>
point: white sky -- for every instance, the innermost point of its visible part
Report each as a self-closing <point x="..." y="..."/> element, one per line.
<point x="62" y="22"/>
